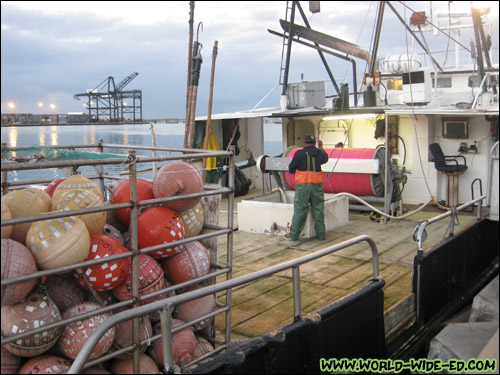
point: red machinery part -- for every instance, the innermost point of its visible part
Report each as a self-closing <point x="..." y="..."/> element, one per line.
<point x="17" y="260"/>
<point x="175" y="179"/>
<point x="362" y="184"/>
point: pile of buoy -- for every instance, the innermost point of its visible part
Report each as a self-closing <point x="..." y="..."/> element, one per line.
<point x="54" y="243"/>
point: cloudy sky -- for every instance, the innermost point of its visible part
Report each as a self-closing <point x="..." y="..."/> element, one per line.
<point x="53" y="50"/>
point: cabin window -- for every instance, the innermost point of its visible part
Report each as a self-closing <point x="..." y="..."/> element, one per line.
<point x="394" y="84"/>
<point x="474" y="81"/>
<point x="442" y="82"/>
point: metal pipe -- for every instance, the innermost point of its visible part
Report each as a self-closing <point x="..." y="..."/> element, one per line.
<point x="188" y="85"/>
<point x="296" y="293"/>
<point x="166" y="339"/>
<point x="288" y="50"/>
<point x="101" y="169"/>
<point x="229" y="256"/>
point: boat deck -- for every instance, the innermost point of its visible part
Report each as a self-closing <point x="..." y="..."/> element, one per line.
<point x="265" y="304"/>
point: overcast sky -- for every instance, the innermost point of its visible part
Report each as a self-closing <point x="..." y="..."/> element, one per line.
<point x="53" y="50"/>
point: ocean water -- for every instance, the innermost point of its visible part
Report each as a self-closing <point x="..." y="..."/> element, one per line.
<point x="166" y="134"/>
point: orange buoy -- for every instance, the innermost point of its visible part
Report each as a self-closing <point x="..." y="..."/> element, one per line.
<point x="189" y="264"/>
<point x="183" y="344"/>
<point x="126" y="366"/>
<point x="6" y="230"/>
<point x="45" y="364"/>
<point x="77" y="333"/>
<point x="76" y="182"/>
<point x="78" y="199"/>
<point x="53" y="185"/>
<point x="201" y="348"/>
<point x="150" y="276"/>
<point x="159" y="225"/>
<point x="58" y="242"/>
<point x="122" y="194"/>
<point x="123" y="337"/>
<point x="24" y="203"/>
<point x="103" y="276"/>
<point x="31" y="312"/>
<point x="17" y="260"/>
<point x="64" y="291"/>
<point x="176" y="179"/>
<point x="191" y="310"/>
<point x="193" y="220"/>
<point x="10" y="362"/>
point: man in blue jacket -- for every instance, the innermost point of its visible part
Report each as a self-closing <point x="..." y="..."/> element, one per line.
<point x="306" y="165"/>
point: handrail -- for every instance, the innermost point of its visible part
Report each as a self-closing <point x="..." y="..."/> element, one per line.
<point x="419" y="234"/>
<point x="167" y="304"/>
<point x="490" y="170"/>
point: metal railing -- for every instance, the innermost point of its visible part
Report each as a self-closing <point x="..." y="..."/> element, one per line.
<point x="166" y="306"/>
<point x="131" y="160"/>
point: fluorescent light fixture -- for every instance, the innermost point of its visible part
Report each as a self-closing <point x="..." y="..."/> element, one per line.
<point x="350" y="116"/>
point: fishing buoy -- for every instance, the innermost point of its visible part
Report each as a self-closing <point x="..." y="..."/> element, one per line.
<point x="78" y="199"/>
<point x="201" y="348"/>
<point x="76" y="182"/>
<point x="176" y="179"/>
<point x="6" y="230"/>
<point x="113" y="232"/>
<point x="123" y="337"/>
<point x="32" y="312"/>
<point x="183" y="344"/>
<point x="126" y="366"/>
<point x="193" y="220"/>
<point x="122" y="194"/>
<point x="24" y="203"/>
<point x="189" y="264"/>
<point x="76" y="334"/>
<point x="361" y="184"/>
<point x="151" y="279"/>
<point x="10" y="362"/>
<point x="17" y="260"/>
<point x="159" y="225"/>
<point x="103" y="276"/>
<point x="45" y="364"/>
<point x="105" y="298"/>
<point x="191" y="310"/>
<point x="58" y="242"/>
<point x="94" y="370"/>
<point x="63" y="291"/>
<point x="53" y="185"/>
<point x="42" y="194"/>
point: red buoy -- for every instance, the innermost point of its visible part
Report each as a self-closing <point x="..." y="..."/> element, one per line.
<point x="176" y="179"/>
<point x="189" y="264"/>
<point x="183" y="344"/>
<point x="126" y="366"/>
<point x="159" y="225"/>
<point x="103" y="276"/>
<point x="45" y="364"/>
<point x="17" y="260"/>
<point x="122" y="195"/>
<point x="77" y="333"/>
<point x="123" y="337"/>
<point x="10" y="362"/>
<point x="63" y="291"/>
<point x="53" y="185"/>
<point x="191" y="310"/>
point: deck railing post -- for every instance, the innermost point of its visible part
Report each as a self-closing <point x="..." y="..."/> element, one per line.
<point x="101" y="169"/>
<point x="297" y="310"/>
<point x="166" y="339"/>
<point x="230" y="224"/>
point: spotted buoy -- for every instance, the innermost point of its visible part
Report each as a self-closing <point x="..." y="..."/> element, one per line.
<point x="176" y="179"/>
<point x="53" y="185"/>
<point x="6" y="230"/>
<point x="123" y="337"/>
<point x="46" y="364"/>
<point x="122" y="194"/>
<point x="151" y="279"/>
<point x="10" y="362"/>
<point x="183" y="344"/>
<point x="78" y="199"/>
<point x="159" y="225"/>
<point x="192" y="310"/>
<point x="189" y="264"/>
<point x="17" y="260"/>
<point x="193" y="220"/>
<point x="58" y="242"/>
<point x="103" y="276"/>
<point x="24" y="203"/>
<point x="32" y="312"/>
<point x="126" y="366"/>
<point x="76" y="182"/>
<point x="63" y="291"/>
<point x="77" y="333"/>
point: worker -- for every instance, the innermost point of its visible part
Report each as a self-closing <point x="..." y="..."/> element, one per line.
<point x="306" y="165"/>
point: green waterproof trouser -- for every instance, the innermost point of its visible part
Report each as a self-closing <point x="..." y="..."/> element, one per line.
<point x="306" y="194"/>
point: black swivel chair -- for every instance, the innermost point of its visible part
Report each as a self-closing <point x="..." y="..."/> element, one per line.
<point x="450" y="166"/>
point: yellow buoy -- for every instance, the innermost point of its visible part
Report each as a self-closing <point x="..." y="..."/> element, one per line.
<point x="42" y="194"/>
<point x="24" y="203"/>
<point x="78" y="199"/>
<point x="7" y="230"/>
<point x="193" y="220"/>
<point x="75" y="182"/>
<point x="58" y="242"/>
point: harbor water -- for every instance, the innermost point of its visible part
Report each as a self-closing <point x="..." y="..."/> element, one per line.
<point x="168" y="135"/>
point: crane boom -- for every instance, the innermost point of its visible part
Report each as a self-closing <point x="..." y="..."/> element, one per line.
<point x="126" y="81"/>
